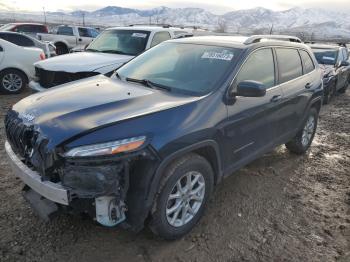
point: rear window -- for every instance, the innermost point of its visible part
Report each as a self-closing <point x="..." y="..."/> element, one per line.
<point x="307" y="62"/>
<point x="17" y="39"/>
<point x="289" y="64"/>
<point x="65" y="30"/>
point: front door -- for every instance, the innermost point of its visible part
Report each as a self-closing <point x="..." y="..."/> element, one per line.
<point x="249" y="127"/>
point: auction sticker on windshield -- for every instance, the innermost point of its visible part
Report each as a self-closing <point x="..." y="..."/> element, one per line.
<point x="224" y="55"/>
<point x="141" y="35"/>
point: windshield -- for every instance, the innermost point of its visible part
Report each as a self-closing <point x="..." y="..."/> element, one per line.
<point x="188" y="68"/>
<point x="326" y="56"/>
<point x="128" y="42"/>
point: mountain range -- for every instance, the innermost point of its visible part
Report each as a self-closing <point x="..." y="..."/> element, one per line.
<point x="319" y="23"/>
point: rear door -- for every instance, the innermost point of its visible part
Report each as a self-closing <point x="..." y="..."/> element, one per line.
<point x="68" y="35"/>
<point x="297" y="80"/>
<point x="251" y="120"/>
<point x="85" y="36"/>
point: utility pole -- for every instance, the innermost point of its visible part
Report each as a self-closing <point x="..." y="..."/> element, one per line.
<point x="83" y="18"/>
<point x="44" y="15"/>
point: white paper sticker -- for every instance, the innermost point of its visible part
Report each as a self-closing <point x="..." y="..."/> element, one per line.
<point x="141" y="35"/>
<point x="328" y="58"/>
<point x="227" y="56"/>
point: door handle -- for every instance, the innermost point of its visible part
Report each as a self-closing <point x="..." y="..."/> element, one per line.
<point x="80" y="39"/>
<point x="276" y="98"/>
<point x="308" y="85"/>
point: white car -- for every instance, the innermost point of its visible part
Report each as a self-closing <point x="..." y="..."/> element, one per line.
<point x="16" y="66"/>
<point x="111" y="49"/>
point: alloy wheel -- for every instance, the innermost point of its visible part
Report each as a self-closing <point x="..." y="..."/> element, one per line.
<point x="308" y="130"/>
<point x="12" y="82"/>
<point x="185" y="199"/>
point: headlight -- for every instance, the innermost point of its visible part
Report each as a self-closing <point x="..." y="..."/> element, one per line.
<point x="109" y="148"/>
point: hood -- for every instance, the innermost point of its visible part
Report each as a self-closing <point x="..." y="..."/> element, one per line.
<point x="326" y="69"/>
<point x="82" y="62"/>
<point x="63" y="113"/>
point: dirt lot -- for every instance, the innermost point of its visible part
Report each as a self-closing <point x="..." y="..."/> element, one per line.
<point x="282" y="207"/>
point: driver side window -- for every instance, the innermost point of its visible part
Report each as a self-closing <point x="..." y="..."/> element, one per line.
<point x="258" y="67"/>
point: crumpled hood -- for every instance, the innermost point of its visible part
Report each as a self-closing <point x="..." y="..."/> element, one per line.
<point x="63" y="113"/>
<point x="326" y="69"/>
<point x="82" y="62"/>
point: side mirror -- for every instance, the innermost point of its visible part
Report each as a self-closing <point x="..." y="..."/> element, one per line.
<point x="250" y="88"/>
<point x="344" y="63"/>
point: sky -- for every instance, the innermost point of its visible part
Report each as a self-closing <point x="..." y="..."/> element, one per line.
<point x="220" y="6"/>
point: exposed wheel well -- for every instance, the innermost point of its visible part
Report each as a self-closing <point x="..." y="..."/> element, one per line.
<point x="61" y="44"/>
<point x="16" y="69"/>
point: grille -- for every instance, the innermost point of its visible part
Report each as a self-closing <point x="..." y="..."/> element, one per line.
<point x="20" y="136"/>
<point x="49" y="79"/>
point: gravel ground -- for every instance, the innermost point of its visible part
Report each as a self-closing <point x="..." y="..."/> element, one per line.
<point x="281" y="207"/>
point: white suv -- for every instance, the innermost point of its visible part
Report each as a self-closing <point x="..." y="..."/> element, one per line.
<point x="112" y="48"/>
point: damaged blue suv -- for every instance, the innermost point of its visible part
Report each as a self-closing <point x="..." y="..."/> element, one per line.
<point x="148" y="145"/>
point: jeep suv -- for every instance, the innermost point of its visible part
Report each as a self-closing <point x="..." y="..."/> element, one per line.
<point x="149" y="144"/>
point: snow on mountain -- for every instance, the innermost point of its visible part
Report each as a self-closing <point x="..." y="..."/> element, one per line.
<point x="318" y="22"/>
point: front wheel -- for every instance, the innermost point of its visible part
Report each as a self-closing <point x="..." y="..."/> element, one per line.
<point x="184" y="193"/>
<point x="302" y="141"/>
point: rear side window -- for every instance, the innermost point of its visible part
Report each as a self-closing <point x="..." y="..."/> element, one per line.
<point x="84" y="32"/>
<point x="307" y="62"/>
<point x="160" y="37"/>
<point x="65" y="30"/>
<point x="289" y="64"/>
<point x="259" y="67"/>
<point x="19" y="40"/>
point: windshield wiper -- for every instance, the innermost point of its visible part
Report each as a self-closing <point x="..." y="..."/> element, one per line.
<point x="149" y="83"/>
<point x="92" y="50"/>
<point x="114" y="52"/>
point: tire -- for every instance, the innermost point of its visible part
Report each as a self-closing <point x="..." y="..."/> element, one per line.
<point x="171" y="226"/>
<point x="12" y="81"/>
<point x="298" y="145"/>
<point x="61" y="49"/>
<point x="327" y="97"/>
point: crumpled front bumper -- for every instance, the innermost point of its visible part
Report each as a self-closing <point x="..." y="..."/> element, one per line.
<point x="51" y="191"/>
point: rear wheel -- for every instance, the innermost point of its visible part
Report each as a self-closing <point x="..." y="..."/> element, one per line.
<point x="302" y="141"/>
<point x="12" y="81"/>
<point x="61" y="49"/>
<point x="184" y="193"/>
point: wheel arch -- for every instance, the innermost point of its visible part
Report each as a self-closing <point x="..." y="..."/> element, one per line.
<point x="17" y="69"/>
<point x="209" y="149"/>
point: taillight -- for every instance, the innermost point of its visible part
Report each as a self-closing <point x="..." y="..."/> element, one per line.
<point x="42" y="56"/>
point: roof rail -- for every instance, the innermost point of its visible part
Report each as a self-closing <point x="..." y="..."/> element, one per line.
<point x="257" y="38"/>
<point x="161" y="25"/>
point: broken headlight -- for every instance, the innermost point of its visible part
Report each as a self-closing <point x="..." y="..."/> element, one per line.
<point x="109" y="148"/>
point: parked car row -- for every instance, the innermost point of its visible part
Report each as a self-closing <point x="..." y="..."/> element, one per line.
<point x="146" y="142"/>
<point x="113" y="47"/>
